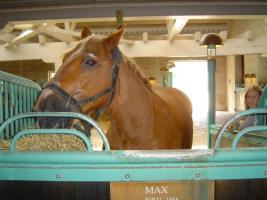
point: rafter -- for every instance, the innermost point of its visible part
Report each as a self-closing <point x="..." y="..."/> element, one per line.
<point x="153" y="48"/>
<point x="24" y="35"/>
<point x="6" y="37"/>
<point x="175" y="27"/>
<point x="60" y="34"/>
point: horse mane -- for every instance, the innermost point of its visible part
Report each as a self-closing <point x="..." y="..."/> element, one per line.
<point x="131" y="63"/>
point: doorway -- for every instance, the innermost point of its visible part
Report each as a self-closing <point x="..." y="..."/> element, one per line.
<point x="192" y="78"/>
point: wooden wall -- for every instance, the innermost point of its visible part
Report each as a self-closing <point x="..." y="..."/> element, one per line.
<point x="32" y="69"/>
<point x="36" y="190"/>
<point x="223" y="190"/>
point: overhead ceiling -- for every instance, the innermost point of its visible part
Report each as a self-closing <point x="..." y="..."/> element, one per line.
<point x="138" y="28"/>
<point x="49" y="21"/>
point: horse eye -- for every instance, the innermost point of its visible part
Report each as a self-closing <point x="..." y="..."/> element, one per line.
<point x="89" y="62"/>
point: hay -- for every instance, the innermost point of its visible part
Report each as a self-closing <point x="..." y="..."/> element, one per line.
<point x="58" y="142"/>
<point x="46" y="142"/>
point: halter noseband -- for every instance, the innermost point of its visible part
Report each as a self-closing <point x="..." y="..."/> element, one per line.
<point x="116" y="55"/>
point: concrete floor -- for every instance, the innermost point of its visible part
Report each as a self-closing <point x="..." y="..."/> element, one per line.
<point x="200" y="138"/>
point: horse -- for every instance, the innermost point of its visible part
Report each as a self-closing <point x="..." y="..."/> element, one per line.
<point x="95" y="75"/>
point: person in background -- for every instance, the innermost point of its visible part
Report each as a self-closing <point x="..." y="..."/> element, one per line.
<point x="251" y="100"/>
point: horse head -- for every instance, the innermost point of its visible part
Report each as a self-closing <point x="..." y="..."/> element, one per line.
<point x="84" y="82"/>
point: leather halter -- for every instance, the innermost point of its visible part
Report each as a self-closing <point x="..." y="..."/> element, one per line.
<point x="116" y="55"/>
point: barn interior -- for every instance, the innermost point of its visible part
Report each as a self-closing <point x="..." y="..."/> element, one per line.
<point x="164" y="44"/>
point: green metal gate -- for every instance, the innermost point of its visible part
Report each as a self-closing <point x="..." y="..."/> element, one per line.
<point x="171" y="165"/>
<point x="17" y="95"/>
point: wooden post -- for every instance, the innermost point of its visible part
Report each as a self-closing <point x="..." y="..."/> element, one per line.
<point x="119" y="18"/>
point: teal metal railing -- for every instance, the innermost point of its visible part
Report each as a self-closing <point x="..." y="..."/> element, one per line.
<point x="17" y="95"/>
<point x="261" y="119"/>
<point x="262" y="127"/>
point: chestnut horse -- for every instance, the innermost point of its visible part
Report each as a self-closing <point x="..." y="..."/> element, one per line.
<point x="96" y="75"/>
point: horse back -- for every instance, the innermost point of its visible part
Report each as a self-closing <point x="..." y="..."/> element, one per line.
<point x="175" y="98"/>
<point x="179" y="117"/>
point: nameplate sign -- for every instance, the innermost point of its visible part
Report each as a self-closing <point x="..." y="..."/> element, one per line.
<point x="182" y="190"/>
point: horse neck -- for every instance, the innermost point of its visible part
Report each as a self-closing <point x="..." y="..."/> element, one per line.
<point x="132" y="99"/>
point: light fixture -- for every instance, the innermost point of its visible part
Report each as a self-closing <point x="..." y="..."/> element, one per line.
<point x="211" y="41"/>
<point x="167" y="67"/>
<point x="170" y="65"/>
<point x="164" y="69"/>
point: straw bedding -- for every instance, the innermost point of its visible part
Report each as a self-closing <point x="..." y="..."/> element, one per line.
<point x="46" y="142"/>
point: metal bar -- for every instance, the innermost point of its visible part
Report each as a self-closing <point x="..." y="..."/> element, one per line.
<point x="246" y="131"/>
<point x="237" y="116"/>
<point x="212" y="96"/>
<point x="31" y="106"/>
<point x="254" y="140"/>
<point x="1" y="102"/>
<point x="1" y="105"/>
<point x="134" y="165"/>
<point x="24" y="106"/>
<point x="11" y="107"/>
<point x="19" y="80"/>
<point x="20" y="106"/>
<point x="127" y="173"/>
<point x="137" y="156"/>
<point x="16" y="103"/>
<point x="6" y="106"/>
<point x="35" y="95"/>
<point x="28" y="106"/>
<point x="16" y="97"/>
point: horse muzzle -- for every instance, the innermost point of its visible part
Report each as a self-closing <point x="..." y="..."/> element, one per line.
<point x="52" y="103"/>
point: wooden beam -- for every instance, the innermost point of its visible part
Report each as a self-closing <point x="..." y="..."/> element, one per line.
<point x="21" y="38"/>
<point x="60" y="34"/>
<point x="119" y="18"/>
<point x="223" y="35"/>
<point x="6" y="37"/>
<point x="67" y="25"/>
<point x="197" y="36"/>
<point x="42" y="39"/>
<point x="153" y="48"/>
<point x="249" y="35"/>
<point x="175" y="27"/>
<point x="72" y="25"/>
<point x="145" y="36"/>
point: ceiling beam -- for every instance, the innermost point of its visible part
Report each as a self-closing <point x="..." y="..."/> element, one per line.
<point x="60" y="34"/>
<point x="6" y="37"/>
<point x="24" y="35"/>
<point x="42" y="39"/>
<point x="175" y="27"/>
<point x="155" y="48"/>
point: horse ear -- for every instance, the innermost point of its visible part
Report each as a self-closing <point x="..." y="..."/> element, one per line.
<point x="113" y="40"/>
<point x="85" y="32"/>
